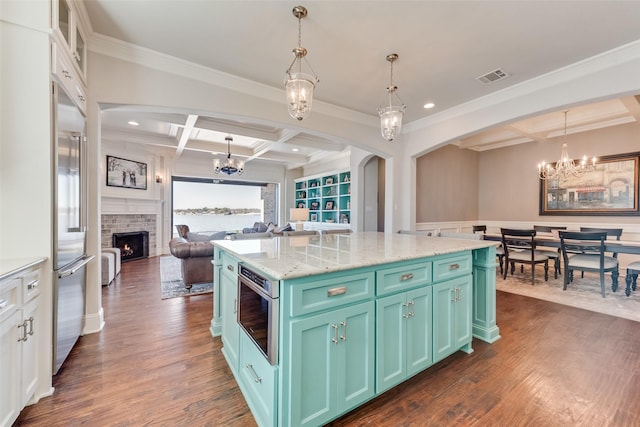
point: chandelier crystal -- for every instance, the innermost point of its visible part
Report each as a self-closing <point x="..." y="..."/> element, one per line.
<point x="391" y="116"/>
<point x="227" y="165"/>
<point x="299" y="85"/>
<point x="565" y="167"/>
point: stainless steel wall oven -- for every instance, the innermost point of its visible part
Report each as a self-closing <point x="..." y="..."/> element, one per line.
<point x="258" y="311"/>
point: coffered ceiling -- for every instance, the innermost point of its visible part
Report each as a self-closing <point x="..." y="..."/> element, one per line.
<point x="443" y="47"/>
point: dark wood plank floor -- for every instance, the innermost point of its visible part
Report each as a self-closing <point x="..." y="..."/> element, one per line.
<point x="155" y="363"/>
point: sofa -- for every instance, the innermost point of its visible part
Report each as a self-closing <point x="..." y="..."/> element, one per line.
<point x="196" y="253"/>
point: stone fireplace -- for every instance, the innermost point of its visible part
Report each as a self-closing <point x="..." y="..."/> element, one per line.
<point x="113" y="224"/>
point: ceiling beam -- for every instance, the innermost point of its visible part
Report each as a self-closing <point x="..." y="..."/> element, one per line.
<point x="186" y="133"/>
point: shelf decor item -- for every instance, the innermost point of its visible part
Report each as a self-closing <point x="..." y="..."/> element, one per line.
<point x="328" y="206"/>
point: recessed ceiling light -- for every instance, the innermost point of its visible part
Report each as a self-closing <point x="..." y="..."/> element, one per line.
<point x="294" y="149"/>
<point x="429" y="105"/>
<point x="132" y="123"/>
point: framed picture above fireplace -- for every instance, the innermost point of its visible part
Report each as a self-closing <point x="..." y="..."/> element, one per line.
<point x="126" y="173"/>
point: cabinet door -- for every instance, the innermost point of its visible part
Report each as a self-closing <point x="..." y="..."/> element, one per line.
<point x="311" y="395"/>
<point x="30" y="351"/>
<point x="451" y="316"/>
<point x="443" y="296"/>
<point x="332" y="357"/>
<point x="390" y="341"/>
<point x="10" y="368"/>
<point x="230" y="327"/>
<point x="355" y="367"/>
<point x="419" y="327"/>
<point x="463" y="312"/>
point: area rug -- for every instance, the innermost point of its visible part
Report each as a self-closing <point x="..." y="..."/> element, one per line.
<point x="171" y="280"/>
<point x="581" y="293"/>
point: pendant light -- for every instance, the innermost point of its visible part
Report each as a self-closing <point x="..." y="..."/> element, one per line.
<point x="298" y="85"/>
<point x="228" y="166"/>
<point x="391" y="116"/>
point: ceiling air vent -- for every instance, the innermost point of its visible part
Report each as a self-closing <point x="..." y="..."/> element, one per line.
<point x="493" y="76"/>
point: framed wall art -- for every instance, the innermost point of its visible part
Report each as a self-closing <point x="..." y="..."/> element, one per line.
<point x="611" y="188"/>
<point x="126" y="173"/>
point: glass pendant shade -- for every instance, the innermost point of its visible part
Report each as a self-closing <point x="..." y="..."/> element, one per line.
<point x="391" y="121"/>
<point x="391" y="115"/>
<point x="299" y="87"/>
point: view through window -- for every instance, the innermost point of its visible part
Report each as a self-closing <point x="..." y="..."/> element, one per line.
<point x="208" y="206"/>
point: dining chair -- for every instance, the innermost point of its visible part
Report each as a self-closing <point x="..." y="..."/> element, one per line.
<point x="520" y="246"/>
<point x="499" y="250"/>
<point x="633" y="269"/>
<point x="611" y="232"/>
<point x="585" y="251"/>
<point x="552" y="253"/>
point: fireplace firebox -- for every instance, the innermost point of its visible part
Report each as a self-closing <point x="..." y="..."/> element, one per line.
<point x="133" y="245"/>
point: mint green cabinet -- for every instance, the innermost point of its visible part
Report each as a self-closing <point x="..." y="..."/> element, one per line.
<point x="330" y="364"/>
<point x="229" y="310"/>
<point x="403" y="336"/>
<point x="257" y="380"/>
<point x="452" y="317"/>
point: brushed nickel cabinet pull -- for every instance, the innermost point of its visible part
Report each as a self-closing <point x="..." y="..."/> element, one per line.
<point x="406" y="277"/>
<point x="24" y="331"/>
<point x="3" y="303"/>
<point x="235" y="306"/>
<point x="344" y="331"/>
<point x="453" y="294"/>
<point x="412" y="313"/>
<point x="229" y="267"/>
<point x="335" y="335"/>
<point x="30" y="319"/>
<point x="337" y="291"/>
<point x="32" y="285"/>
<point x="405" y="313"/>
<point x="454" y="266"/>
<point x="255" y="376"/>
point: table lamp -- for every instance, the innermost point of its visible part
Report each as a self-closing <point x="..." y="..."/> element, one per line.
<point x="298" y="215"/>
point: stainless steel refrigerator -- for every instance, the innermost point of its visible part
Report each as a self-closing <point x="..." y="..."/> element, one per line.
<point x="69" y="216"/>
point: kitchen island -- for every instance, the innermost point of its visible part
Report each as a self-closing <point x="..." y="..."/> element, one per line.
<point x="347" y="317"/>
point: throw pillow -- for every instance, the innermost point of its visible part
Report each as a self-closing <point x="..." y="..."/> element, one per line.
<point x="271" y="227"/>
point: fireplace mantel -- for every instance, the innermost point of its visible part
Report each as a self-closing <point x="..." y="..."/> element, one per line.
<point x="121" y="205"/>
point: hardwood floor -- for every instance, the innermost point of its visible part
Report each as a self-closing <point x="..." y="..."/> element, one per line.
<point x="155" y="363"/>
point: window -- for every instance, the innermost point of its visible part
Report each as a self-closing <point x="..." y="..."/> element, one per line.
<point x="208" y="205"/>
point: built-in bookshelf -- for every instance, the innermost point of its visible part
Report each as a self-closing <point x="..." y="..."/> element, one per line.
<point x="328" y="197"/>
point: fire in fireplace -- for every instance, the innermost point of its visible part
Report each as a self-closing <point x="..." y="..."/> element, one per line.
<point x="134" y="245"/>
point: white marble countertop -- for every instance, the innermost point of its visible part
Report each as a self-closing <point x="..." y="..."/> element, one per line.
<point x="9" y="267"/>
<point x="299" y="256"/>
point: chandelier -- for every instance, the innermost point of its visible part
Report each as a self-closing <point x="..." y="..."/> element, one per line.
<point x="565" y="167"/>
<point x="298" y="85"/>
<point x="391" y="116"/>
<point x="228" y="165"/>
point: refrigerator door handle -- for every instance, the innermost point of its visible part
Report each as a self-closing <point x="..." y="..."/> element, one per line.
<point x="77" y="266"/>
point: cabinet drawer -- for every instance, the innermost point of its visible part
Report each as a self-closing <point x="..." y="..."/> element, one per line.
<point x="30" y="286"/>
<point x="403" y="277"/>
<point x="228" y="264"/>
<point x="259" y="379"/>
<point x="455" y="266"/>
<point x="9" y="296"/>
<point x="320" y="295"/>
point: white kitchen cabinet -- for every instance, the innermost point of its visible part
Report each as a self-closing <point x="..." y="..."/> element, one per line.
<point x="20" y="333"/>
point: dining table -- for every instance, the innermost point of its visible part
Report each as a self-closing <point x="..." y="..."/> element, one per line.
<point x="615" y="246"/>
